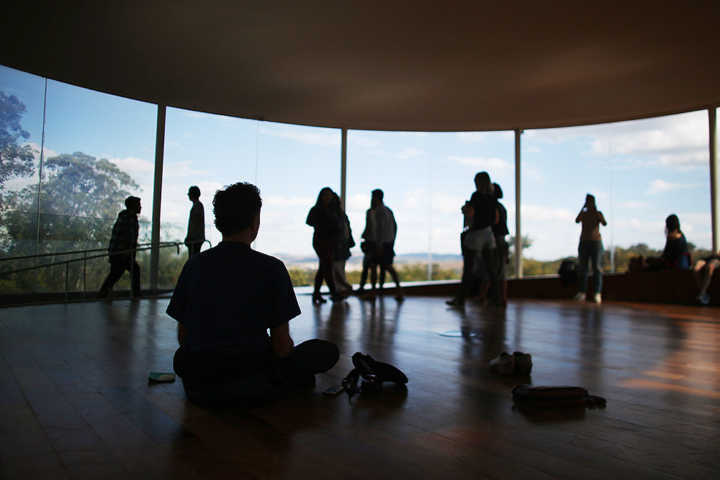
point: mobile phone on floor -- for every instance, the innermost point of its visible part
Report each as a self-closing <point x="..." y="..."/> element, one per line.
<point x="334" y="390"/>
<point x="161" y="377"/>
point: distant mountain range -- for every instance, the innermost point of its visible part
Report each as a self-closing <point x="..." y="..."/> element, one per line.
<point x="357" y="258"/>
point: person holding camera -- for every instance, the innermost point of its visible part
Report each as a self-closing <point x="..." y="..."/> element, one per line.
<point x="590" y="248"/>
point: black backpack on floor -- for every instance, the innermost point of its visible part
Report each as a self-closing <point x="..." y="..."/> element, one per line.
<point x="373" y="374"/>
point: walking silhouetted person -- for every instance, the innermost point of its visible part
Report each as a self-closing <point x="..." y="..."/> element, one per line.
<point x="196" y="223"/>
<point x="123" y="243"/>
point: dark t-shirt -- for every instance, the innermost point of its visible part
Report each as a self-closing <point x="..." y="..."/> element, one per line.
<point x="500" y="229"/>
<point x="484" y="210"/>
<point x="675" y="252"/>
<point x="229" y="296"/>
<point x="327" y="225"/>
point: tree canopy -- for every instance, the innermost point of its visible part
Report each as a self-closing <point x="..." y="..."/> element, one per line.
<point x="80" y="197"/>
<point x="16" y="159"/>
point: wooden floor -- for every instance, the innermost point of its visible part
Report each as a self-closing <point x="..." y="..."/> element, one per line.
<point x="74" y="401"/>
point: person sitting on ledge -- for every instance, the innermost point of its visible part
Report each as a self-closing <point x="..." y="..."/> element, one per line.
<point x="676" y="254"/>
<point x="225" y="301"/>
<point x="703" y="271"/>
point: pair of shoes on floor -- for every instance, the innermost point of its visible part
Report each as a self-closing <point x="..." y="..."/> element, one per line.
<point x="317" y="299"/>
<point x="580" y="297"/>
<point x="518" y="363"/>
<point x="703" y="299"/>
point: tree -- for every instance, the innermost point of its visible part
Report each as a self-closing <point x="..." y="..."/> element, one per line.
<point x="16" y="160"/>
<point x="80" y="197"/>
<point x="526" y="242"/>
<point x="79" y="200"/>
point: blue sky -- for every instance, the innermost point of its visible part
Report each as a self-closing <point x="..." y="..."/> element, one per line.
<point x="640" y="171"/>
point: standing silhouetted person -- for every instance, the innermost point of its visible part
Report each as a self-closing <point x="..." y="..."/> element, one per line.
<point x="327" y="229"/>
<point x="196" y="223"/>
<point x="500" y="230"/>
<point x="369" y="264"/>
<point x="479" y="256"/>
<point x="590" y="248"/>
<point x="123" y="243"/>
<point x="385" y="232"/>
<point x="225" y="301"/>
<point x="345" y="242"/>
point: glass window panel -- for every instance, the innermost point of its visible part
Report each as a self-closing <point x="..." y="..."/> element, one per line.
<point x="295" y="163"/>
<point x="210" y="152"/>
<point x="21" y="104"/>
<point x="289" y="164"/>
<point x="99" y="149"/>
<point x="399" y="164"/>
<point x="640" y="172"/>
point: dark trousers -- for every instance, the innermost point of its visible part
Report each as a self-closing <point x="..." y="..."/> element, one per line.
<point x="194" y="249"/>
<point x="590" y="251"/>
<point x="498" y="286"/>
<point x="228" y="376"/>
<point x="118" y="265"/>
<point x="326" y="257"/>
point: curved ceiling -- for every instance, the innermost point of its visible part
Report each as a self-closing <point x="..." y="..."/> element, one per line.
<point x="416" y="65"/>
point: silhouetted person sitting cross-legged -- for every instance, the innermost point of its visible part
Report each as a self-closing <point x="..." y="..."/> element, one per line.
<point x="123" y="243"/>
<point x="225" y="301"/>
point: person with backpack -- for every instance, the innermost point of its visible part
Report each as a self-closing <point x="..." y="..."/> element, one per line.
<point x="123" y="242"/>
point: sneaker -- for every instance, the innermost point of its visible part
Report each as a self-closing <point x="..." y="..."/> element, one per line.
<point x="523" y="363"/>
<point x="598" y="298"/>
<point x="704" y="299"/>
<point x="579" y="297"/>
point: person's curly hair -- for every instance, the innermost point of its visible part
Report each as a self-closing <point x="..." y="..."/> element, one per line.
<point x="236" y="207"/>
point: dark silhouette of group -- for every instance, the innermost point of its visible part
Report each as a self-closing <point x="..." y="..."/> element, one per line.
<point x="483" y="245"/>
<point x="332" y="240"/>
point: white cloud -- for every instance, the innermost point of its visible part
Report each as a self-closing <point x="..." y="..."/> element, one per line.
<point x="685" y="159"/>
<point x="318" y="138"/>
<point x="360" y="140"/>
<point x="134" y="165"/>
<point x="658" y="186"/>
<point x="408" y="153"/>
<point x="671" y="141"/>
<point x="282" y="201"/>
<point x="471" y="137"/>
<point x="182" y="169"/>
<point x="546" y="213"/>
<point x="490" y="164"/>
<point x="633" y="205"/>
<point x="359" y="202"/>
<point x="447" y="204"/>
